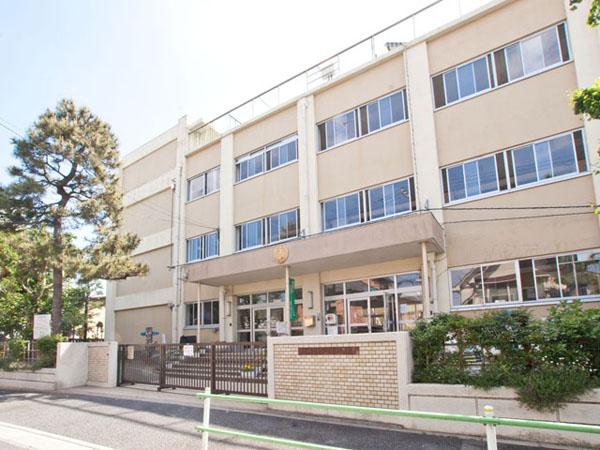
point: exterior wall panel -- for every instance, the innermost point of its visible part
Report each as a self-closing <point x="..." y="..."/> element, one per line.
<point x="150" y="167"/>
<point x="131" y="322"/>
<point x="150" y="215"/>
<point x="202" y="215"/>
<point x="373" y="159"/>
<point x="158" y="277"/>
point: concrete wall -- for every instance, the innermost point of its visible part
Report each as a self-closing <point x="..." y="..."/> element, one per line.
<point x="102" y="363"/>
<point x="150" y="166"/>
<point x="379" y="376"/>
<point x="131" y="322"/>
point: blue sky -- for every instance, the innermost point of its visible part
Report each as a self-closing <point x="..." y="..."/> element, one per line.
<point x="142" y="64"/>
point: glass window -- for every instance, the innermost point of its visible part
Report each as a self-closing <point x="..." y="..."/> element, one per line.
<point x="277" y="296"/>
<point x="456" y="183"/>
<point x="196" y="187"/>
<point x="373" y="112"/>
<point x="334" y="289"/>
<point x="587" y="268"/>
<point x="267" y="158"/>
<point x="381" y="284"/>
<point x="466" y="80"/>
<point x="524" y="163"/>
<point x="337" y="307"/>
<point x="514" y="61"/>
<point x="466" y="286"/>
<point x="500" y="283"/>
<point x="533" y="54"/>
<point x="563" y="155"/>
<point x="250" y="234"/>
<point x="210" y="313"/>
<point x="204" y="184"/>
<point x="191" y="314"/>
<point x="193" y="249"/>
<point x="342" y="211"/>
<point x="389" y="199"/>
<point x="546" y="278"/>
<point x="341" y="129"/>
<point x="358" y="286"/>
<point x="258" y="299"/>
<point x="203" y="247"/>
<point x="243" y="300"/>
<point x="407" y="280"/>
<point x="283" y="226"/>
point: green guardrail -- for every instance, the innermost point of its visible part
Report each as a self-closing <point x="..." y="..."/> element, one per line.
<point x="488" y="420"/>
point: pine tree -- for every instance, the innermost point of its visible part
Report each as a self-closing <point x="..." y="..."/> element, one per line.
<point x="67" y="178"/>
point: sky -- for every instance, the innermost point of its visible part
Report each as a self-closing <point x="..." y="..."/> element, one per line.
<point x="142" y="64"/>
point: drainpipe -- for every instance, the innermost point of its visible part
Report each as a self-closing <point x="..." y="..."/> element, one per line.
<point x="198" y="315"/>
<point x="425" y="281"/>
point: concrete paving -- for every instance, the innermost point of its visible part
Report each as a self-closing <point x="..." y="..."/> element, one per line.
<point x="139" y="417"/>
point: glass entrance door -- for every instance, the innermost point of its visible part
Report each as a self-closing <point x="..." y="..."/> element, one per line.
<point x="410" y="309"/>
<point x="358" y="315"/>
<point x="376" y="314"/>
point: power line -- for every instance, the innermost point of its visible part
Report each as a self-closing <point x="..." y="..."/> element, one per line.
<point x="3" y="124"/>
<point x="496" y="219"/>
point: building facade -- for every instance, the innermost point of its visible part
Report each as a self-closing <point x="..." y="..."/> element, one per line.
<point x="448" y="174"/>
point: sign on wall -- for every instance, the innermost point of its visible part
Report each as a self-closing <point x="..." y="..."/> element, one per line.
<point x="41" y="326"/>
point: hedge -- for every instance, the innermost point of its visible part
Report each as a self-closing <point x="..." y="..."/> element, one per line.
<point x="548" y="362"/>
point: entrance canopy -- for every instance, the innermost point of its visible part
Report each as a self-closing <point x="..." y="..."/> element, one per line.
<point x="391" y="239"/>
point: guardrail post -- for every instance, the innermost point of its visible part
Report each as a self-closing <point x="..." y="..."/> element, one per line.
<point x="490" y="429"/>
<point x="206" y="418"/>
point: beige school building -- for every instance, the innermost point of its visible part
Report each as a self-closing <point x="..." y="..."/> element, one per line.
<point x="444" y="172"/>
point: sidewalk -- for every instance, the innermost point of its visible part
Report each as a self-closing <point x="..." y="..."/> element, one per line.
<point x="23" y="437"/>
<point x="140" y="417"/>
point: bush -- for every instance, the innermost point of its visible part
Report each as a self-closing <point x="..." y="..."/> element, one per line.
<point x="510" y="348"/>
<point x="16" y="349"/>
<point x="46" y="347"/>
<point x="548" y="387"/>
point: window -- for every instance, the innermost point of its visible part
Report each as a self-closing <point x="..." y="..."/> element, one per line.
<point x="267" y="158"/>
<point x="383" y="112"/>
<point x="562" y="155"/>
<point x="363" y="120"/>
<point x="203" y="247"/>
<point x="545" y="278"/>
<point x="283" y="226"/>
<point x="203" y="184"/>
<point x="526" y="57"/>
<point x="250" y="234"/>
<point x="372" y="204"/>
<point x="275" y="228"/>
<point x="389" y="199"/>
<point x="383" y="303"/>
<point x="545" y="159"/>
<point x="462" y="82"/>
<point x="206" y="313"/>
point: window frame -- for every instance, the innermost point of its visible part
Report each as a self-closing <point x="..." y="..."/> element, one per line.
<point x="264" y="152"/>
<point x="358" y="123"/>
<point x="505" y="157"/>
<point x="365" y="205"/>
<point x="203" y="238"/>
<point x="493" y="75"/>
<point x="204" y="175"/>
<point x="266" y="228"/>
<point x="521" y="302"/>
<point x="199" y="316"/>
<point x="491" y="80"/>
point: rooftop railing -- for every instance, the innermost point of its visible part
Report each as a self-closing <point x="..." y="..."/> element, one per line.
<point x="398" y="34"/>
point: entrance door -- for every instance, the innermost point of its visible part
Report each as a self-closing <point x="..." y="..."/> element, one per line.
<point x="261" y="324"/>
<point x="410" y="309"/>
<point x="358" y="315"/>
<point x="377" y="314"/>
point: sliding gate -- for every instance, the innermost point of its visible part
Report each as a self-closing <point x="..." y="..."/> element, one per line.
<point x="236" y="368"/>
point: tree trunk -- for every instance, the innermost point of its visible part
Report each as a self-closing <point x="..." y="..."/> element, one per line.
<point x="57" y="278"/>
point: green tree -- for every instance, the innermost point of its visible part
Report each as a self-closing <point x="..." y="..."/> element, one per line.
<point x="586" y="101"/>
<point x="25" y="281"/>
<point x="66" y="178"/>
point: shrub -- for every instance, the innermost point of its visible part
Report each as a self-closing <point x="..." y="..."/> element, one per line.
<point x="46" y="347"/>
<point x="16" y="349"/>
<point x="510" y="348"/>
<point x="548" y="387"/>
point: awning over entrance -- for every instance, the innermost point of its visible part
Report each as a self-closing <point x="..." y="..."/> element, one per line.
<point x="387" y="240"/>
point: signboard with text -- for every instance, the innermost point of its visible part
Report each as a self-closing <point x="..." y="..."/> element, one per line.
<point x="41" y="326"/>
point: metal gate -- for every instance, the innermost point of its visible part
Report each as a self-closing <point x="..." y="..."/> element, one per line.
<point x="236" y="368"/>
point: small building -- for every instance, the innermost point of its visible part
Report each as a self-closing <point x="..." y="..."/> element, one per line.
<point x="422" y="171"/>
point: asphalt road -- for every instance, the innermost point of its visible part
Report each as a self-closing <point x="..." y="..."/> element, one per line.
<point x="134" y="418"/>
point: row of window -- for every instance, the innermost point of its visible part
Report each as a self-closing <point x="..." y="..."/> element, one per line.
<point x="203" y="247"/>
<point x="268" y="230"/>
<point x="558" y="156"/>
<point x="204" y="184"/>
<point x="204" y="313"/>
<point x="267" y="158"/>
<point x="370" y="204"/>
<point x="380" y="113"/>
<point x="526" y="57"/>
<point x="545" y="278"/>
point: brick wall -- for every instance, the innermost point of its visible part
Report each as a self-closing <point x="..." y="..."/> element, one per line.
<point x="350" y="370"/>
<point x="98" y="356"/>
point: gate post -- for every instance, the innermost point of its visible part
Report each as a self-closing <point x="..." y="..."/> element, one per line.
<point x="163" y="361"/>
<point x="119" y="365"/>
<point x="213" y="371"/>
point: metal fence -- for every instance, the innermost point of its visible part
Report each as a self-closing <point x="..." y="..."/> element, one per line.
<point x="488" y="419"/>
<point x="432" y="16"/>
<point x="236" y="368"/>
<point x="30" y="354"/>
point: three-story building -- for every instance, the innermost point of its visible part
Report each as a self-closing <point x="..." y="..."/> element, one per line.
<point x="446" y="173"/>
